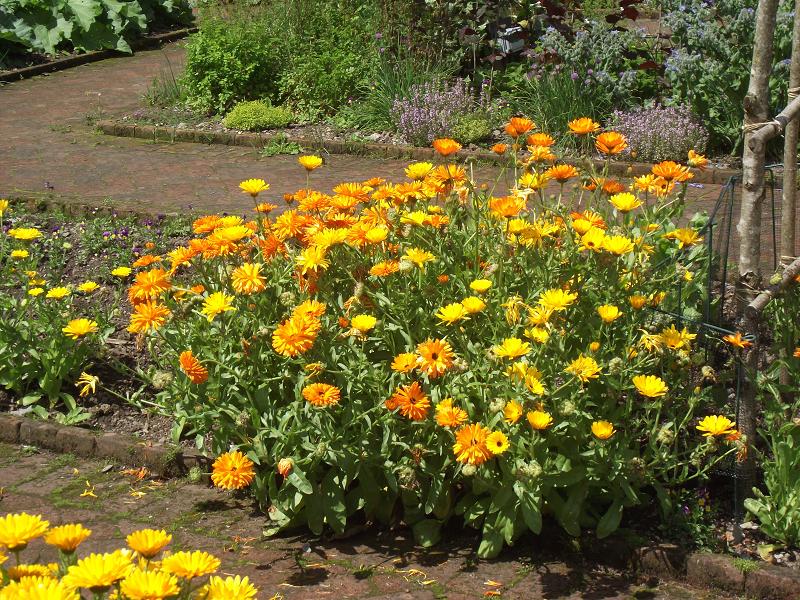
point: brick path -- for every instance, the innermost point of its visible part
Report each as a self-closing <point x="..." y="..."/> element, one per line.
<point x="369" y="565"/>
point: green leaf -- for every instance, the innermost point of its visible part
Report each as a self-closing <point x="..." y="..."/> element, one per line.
<point x="609" y="522"/>
<point x="85" y="12"/>
<point x="427" y="532"/>
<point x="491" y="542"/>
<point x="333" y="504"/>
<point x="298" y="480"/>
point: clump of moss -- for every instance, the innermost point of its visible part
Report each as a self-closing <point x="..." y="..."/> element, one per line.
<point x="257" y="115"/>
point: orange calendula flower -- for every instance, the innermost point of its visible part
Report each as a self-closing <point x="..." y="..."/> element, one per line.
<point x="411" y="401"/>
<point x="446" y="146"/>
<point x="295" y="336"/>
<point x="610" y="142"/>
<point x="448" y="415"/>
<point x="146" y="260"/>
<point x="435" y="357"/>
<point x="149" y="285"/>
<point x="405" y="362"/>
<point x="385" y="268"/>
<point x="540" y="139"/>
<point x="247" y="279"/>
<point x="470" y="446"/>
<point x="583" y="126"/>
<point x="194" y="370"/>
<point x="232" y="471"/>
<point x="499" y="149"/>
<point x="518" y="126"/>
<point x="148" y="316"/>
<point x="562" y="173"/>
<point x="322" y="394"/>
<point x="671" y="171"/>
<point x="506" y="206"/>
<point x="737" y="341"/>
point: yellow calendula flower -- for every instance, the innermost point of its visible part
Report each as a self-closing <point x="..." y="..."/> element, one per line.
<point x="540" y="420"/>
<point x="253" y="186"/>
<point x="416" y="217"/>
<point x="650" y="386"/>
<point x="20" y="254"/>
<point x="87" y="287"/>
<point x="676" y="340"/>
<point x="497" y="442"/>
<point x="452" y="313"/>
<point x="473" y="304"/>
<point x="363" y="323"/>
<point x="512" y="412"/>
<point x="58" y="292"/>
<point x="376" y="235"/>
<point x="229" y="588"/>
<point x="533" y="181"/>
<point x="98" y="572"/>
<point x="618" y="244"/>
<point x="584" y="368"/>
<point x="67" y="537"/>
<point x="38" y="588"/>
<point x="35" y="291"/>
<point x="684" y="237"/>
<point x="188" y="565"/>
<point x="77" y="328"/>
<point x="714" y="425"/>
<point x="418" y="170"/>
<point x="310" y="162"/>
<point x="25" y="234"/>
<point x="312" y="259"/>
<point x="31" y="571"/>
<point x="216" y="304"/>
<point x="142" y="584"/>
<point x="3" y="206"/>
<point x="512" y="348"/>
<point x="17" y="530"/>
<point x="513" y="306"/>
<point x="609" y="313"/>
<point x="87" y="384"/>
<point x="148" y="542"/>
<point x="593" y="239"/>
<point x="533" y="384"/>
<point x="480" y="285"/>
<point x="557" y="299"/>
<point x="625" y="202"/>
<point x="539" y="315"/>
<point x="540" y="335"/>
<point x="121" y="272"/>
<point x="418" y="256"/>
<point x="603" y="430"/>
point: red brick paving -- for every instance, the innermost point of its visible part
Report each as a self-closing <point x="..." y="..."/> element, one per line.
<point x="374" y="564"/>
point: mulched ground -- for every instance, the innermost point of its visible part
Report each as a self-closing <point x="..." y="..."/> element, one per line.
<point x="372" y="564"/>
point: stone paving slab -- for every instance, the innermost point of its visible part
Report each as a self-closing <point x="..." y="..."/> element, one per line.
<point x="373" y="564"/>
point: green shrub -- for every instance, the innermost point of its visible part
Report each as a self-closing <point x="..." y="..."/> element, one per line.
<point x="230" y="61"/>
<point x="51" y="25"/>
<point x="472" y="128"/>
<point x="330" y="57"/>
<point x="257" y="115"/>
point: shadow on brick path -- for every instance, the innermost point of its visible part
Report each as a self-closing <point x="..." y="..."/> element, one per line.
<point x="371" y="564"/>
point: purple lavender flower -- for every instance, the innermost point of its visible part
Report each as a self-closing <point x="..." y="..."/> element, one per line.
<point x="430" y="110"/>
<point x="661" y="133"/>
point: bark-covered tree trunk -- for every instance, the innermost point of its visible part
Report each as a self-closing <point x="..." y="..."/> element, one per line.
<point x="756" y="110"/>
<point x="789" y="199"/>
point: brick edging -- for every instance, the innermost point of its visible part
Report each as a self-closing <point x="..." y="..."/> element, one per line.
<point x="163" y="460"/>
<point x="76" y="60"/>
<point x="717" y="571"/>
<point x="161" y="133"/>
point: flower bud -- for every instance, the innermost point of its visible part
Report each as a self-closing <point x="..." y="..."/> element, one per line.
<point x="469" y="470"/>
<point x="285" y="466"/>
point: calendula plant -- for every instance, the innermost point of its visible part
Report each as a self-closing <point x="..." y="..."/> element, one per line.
<point x="424" y="349"/>
<point x="129" y="573"/>
<point x="48" y="331"/>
